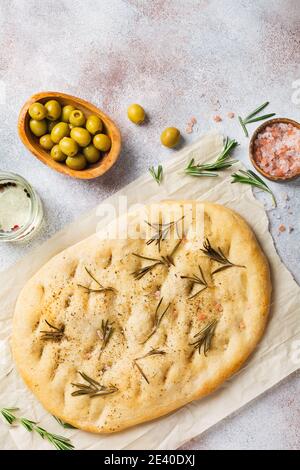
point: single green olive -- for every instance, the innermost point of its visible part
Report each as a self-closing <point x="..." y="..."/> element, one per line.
<point x="68" y="146"/>
<point x="76" y="163"/>
<point x="60" y="131"/>
<point x="136" y="113"/>
<point x="57" y="154"/>
<point x="66" y="111"/>
<point x="91" y="154"/>
<point x="77" y="118"/>
<point x="94" y="124"/>
<point x="102" y="142"/>
<point x="81" y="136"/>
<point x="51" y="124"/>
<point x="53" y="110"/>
<point x="170" y="137"/>
<point x="46" y="142"/>
<point x="38" y="128"/>
<point x="37" y="111"/>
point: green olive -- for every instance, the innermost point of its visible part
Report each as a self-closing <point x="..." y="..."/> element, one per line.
<point x="68" y="146"/>
<point x="51" y="124"/>
<point x="53" y="110"/>
<point x="94" y="124"/>
<point x="66" y="111"/>
<point x="38" y="128"/>
<point x="37" y="111"/>
<point x="102" y="142"/>
<point x="136" y="113"/>
<point x="77" y="118"/>
<point x="46" y="142"/>
<point x="81" y="136"/>
<point x="57" y="154"/>
<point x="91" y="154"/>
<point x="170" y="137"/>
<point x="76" y="163"/>
<point x="60" y="131"/>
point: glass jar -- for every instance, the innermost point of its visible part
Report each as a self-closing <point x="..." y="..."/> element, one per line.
<point x="21" y="211"/>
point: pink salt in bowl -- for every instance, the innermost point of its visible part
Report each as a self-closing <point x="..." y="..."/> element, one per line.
<point x="275" y="149"/>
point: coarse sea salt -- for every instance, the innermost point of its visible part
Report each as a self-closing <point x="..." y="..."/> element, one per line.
<point x="277" y="150"/>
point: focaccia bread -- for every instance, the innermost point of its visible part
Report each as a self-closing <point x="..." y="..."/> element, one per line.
<point x="114" y="332"/>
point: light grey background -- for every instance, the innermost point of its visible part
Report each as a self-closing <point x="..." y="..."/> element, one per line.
<point x="178" y="58"/>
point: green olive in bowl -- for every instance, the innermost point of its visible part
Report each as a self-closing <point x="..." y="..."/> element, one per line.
<point x="57" y="154"/>
<point x="46" y="142"/>
<point x="77" y="118"/>
<point x="68" y="146"/>
<point x="37" y="111"/>
<point x="66" y="112"/>
<point x="81" y="136"/>
<point x="60" y="131"/>
<point x="102" y="142"/>
<point x="76" y="163"/>
<point x="94" y="124"/>
<point x="53" y="110"/>
<point x="91" y="153"/>
<point x="38" y="128"/>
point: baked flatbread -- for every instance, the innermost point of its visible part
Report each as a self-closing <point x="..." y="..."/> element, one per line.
<point x="107" y="339"/>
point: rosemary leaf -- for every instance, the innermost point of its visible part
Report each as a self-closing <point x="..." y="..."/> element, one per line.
<point x="218" y="256"/>
<point x="221" y="163"/>
<point x="161" y="231"/>
<point x="152" y="352"/>
<point x="157" y="319"/>
<point x="8" y="414"/>
<point x="249" y="177"/>
<point x="251" y="117"/>
<point x="157" y="174"/>
<point x="197" y="279"/>
<point x="59" y="442"/>
<point x="166" y="261"/>
<point x="63" y="423"/>
<point x="203" y="339"/>
<point x="104" y="334"/>
<point x="101" y="288"/>
<point x="93" y="388"/>
<point x="55" y="335"/>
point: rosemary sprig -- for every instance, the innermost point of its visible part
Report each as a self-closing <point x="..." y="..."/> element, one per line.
<point x="157" y="174"/>
<point x="157" y="319"/>
<point x="93" y="389"/>
<point x="249" y="177"/>
<point x="218" y="256"/>
<point x="166" y="261"/>
<point x="8" y="414"/>
<point x="221" y="163"/>
<point x="251" y="117"/>
<point x="101" y="288"/>
<point x="104" y="334"/>
<point x="63" y="423"/>
<point x="59" y="442"/>
<point x="197" y="279"/>
<point x="161" y="231"/>
<point x="55" y="335"/>
<point x="203" y="339"/>
<point x="152" y="352"/>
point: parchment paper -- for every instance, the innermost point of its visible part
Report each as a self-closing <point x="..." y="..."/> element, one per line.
<point x="276" y="356"/>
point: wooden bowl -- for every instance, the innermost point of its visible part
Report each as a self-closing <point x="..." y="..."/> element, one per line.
<point x="251" y="148"/>
<point x="32" y="142"/>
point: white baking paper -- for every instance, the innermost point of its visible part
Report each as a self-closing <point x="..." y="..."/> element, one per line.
<point x="276" y="356"/>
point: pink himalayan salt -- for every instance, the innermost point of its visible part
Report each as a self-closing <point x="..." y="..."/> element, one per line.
<point x="277" y="150"/>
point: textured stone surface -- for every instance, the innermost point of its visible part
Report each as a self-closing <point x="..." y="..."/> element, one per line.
<point x="179" y="59"/>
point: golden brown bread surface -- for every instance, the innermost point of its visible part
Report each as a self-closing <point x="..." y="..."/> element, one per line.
<point x="137" y="339"/>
